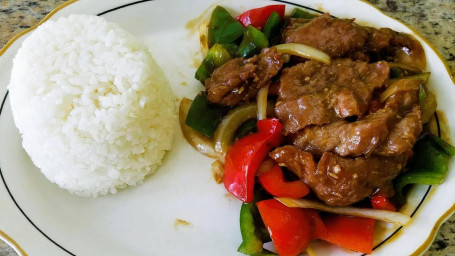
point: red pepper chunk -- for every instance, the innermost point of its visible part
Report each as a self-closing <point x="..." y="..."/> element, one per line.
<point x="291" y="229"/>
<point x="258" y="17"/>
<point x="244" y="157"/>
<point x="273" y="182"/>
<point x="354" y="233"/>
<point x="381" y="202"/>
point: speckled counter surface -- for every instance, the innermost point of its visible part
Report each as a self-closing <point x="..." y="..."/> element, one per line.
<point x="434" y="19"/>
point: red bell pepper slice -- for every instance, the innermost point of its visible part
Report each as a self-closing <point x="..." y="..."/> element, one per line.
<point x="273" y="182"/>
<point x="381" y="202"/>
<point x="291" y="229"/>
<point x="258" y="17"/>
<point x="244" y="157"/>
<point x="354" y="233"/>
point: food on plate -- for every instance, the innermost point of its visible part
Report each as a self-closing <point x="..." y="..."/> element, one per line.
<point x="94" y="109"/>
<point x="347" y="134"/>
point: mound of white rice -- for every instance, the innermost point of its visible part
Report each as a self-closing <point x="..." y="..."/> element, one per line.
<point x="94" y="109"/>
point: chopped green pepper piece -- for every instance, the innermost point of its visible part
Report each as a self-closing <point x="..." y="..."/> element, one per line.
<point x="429" y="164"/>
<point x="272" y="26"/>
<point x="216" y="56"/>
<point x="253" y="41"/>
<point x="254" y="232"/>
<point x="223" y="28"/>
<point x="251" y="241"/>
<point x="203" y="116"/>
<point x="299" y="13"/>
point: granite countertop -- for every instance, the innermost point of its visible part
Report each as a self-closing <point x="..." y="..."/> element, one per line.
<point x="434" y="19"/>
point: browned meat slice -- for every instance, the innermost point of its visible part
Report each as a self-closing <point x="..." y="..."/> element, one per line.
<point x="404" y="135"/>
<point x="294" y="159"/>
<point x="240" y="79"/>
<point x="347" y="139"/>
<point x="340" y="181"/>
<point x="336" y="37"/>
<point x="343" y="38"/>
<point x="313" y="93"/>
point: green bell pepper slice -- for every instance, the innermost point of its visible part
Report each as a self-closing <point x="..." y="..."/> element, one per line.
<point x="223" y="28"/>
<point x="299" y="13"/>
<point x="204" y="116"/>
<point x="272" y="27"/>
<point x="216" y="56"/>
<point x="252" y="43"/>
<point x="429" y="164"/>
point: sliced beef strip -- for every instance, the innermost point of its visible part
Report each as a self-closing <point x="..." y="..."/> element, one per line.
<point x="404" y="135"/>
<point x="343" y="38"/>
<point x="297" y="161"/>
<point x="313" y="93"/>
<point x="347" y="139"/>
<point x="240" y="79"/>
<point x="340" y="181"/>
<point x="336" y="37"/>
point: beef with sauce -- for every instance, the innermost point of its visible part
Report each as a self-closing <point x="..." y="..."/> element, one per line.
<point x="240" y="79"/>
<point x="340" y="181"/>
<point x="342" y="38"/>
<point x="313" y="93"/>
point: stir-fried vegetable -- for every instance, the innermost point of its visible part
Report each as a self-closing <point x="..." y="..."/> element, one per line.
<point x="203" y="116"/>
<point x="355" y="233"/>
<point x="400" y="85"/>
<point x="258" y="17"/>
<point x="203" y="38"/>
<point x="199" y="141"/>
<point x="253" y="42"/>
<point x="216" y="56"/>
<point x="291" y="229"/>
<point x="223" y="28"/>
<point x="225" y="131"/>
<point x="272" y="27"/>
<point x="251" y="240"/>
<point x="303" y="51"/>
<point x="422" y="76"/>
<point x="252" y="228"/>
<point x="428" y="104"/>
<point x="273" y="182"/>
<point x="381" y="202"/>
<point x="299" y="13"/>
<point x="388" y="216"/>
<point x="429" y="164"/>
<point x="244" y="157"/>
<point x="262" y="105"/>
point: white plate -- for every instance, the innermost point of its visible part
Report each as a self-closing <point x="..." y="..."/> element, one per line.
<point x="46" y="220"/>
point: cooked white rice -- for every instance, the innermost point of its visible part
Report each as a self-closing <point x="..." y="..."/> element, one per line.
<point x="94" y="109"/>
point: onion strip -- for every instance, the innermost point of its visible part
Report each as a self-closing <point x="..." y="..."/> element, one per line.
<point x="400" y="85"/>
<point x="262" y="102"/>
<point x="303" y="51"/>
<point x="388" y="216"/>
<point x="203" y="38"/>
<point x="197" y="140"/>
<point x="225" y="131"/>
<point x="406" y="67"/>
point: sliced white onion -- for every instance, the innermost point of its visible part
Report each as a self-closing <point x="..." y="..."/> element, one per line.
<point x="400" y="85"/>
<point x="203" y="38"/>
<point x="224" y="133"/>
<point x="262" y="102"/>
<point x="388" y="216"/>
<point x="197" y="140"/>
<point x="303" y="51"/>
